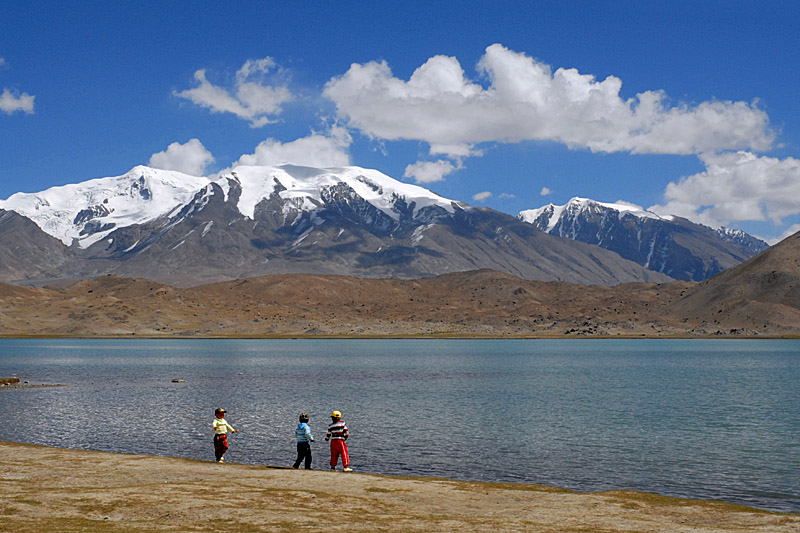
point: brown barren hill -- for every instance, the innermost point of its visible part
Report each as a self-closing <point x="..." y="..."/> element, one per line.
<point x="761" y="294"/>
<point x="760" y="297"/>
<point x="480" y="303"/>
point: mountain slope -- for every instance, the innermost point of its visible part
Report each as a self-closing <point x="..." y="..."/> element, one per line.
<point x="343" y="236"/>
<point x="762" y="291"/>
<point x="26" y="252"/>
<point x="671" y="245"/>
<point x="264" y="220"/>
<point x="87" y="212"/>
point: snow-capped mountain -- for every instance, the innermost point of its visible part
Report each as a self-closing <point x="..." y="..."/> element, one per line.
<point x="187" y="230"/>
<point x="671" y="245"/>
<point x="307" y="189"/>
<point x="86" y="212"/>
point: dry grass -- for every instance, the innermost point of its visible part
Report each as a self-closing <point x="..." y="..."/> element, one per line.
<point x="48" y="489"/>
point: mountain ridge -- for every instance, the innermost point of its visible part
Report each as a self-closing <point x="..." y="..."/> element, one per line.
<point x="268" y="220"/>
<point x="669" y="244"/>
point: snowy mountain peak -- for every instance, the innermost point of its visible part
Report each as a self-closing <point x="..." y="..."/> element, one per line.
<point x="86" y="212"/>
<point x="306" y="188"/>
<point x="668" y="244"/>
<point x="548" y="216"/>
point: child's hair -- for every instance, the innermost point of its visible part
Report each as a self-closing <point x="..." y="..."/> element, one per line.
<point x="303" y="417"/>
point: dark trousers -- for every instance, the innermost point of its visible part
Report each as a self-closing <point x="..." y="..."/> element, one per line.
<point x="303" y="452"/>
<point x="220" y="445"/>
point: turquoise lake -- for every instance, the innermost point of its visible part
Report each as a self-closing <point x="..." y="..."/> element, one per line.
<point x="712" y="419"/>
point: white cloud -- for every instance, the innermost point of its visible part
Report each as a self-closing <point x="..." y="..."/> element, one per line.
<point x="545" y="191"/>
<point x="191" y="158"/>
<point x="736" y="186"/>
<point x="11" y="102"/>
<point x="252" y="98"/>
<point x="316" y="150"/>
<point x="455" y="150"/>
<point x="525" y="100"/>
<point x="505" y="196"/>
<point x="481" y="196"/>
<point x="430" y="171"/>
<point x="791" y="230"/>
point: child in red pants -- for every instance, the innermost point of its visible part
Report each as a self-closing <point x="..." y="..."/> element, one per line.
<point x="221" y="428"/>
<point x="337" y="434"/>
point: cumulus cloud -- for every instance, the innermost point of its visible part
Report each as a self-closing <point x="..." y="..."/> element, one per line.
<point x="737" y="186"/>
<point x="791" y="230"/>
<point x="481" y="196"/>
<point x="12" y="101"/>
<point x="525" y="100"/>
<point x="316" y="150"/>
<point x="191" y="158"/>
<point x="545" y="191"/>
<point x="257" y="95"/>
<point x="430" y="171"/>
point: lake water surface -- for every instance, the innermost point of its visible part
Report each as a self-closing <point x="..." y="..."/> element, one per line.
<point x="714" y="419"/>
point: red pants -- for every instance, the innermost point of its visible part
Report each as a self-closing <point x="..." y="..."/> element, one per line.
<point x="220" y="445"/>
<point x="339" y="447"/>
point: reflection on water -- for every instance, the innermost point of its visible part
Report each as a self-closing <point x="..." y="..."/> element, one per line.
<point x="700" y="419"/>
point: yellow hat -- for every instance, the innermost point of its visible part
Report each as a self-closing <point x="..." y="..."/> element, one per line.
<point x="336" y="414"/>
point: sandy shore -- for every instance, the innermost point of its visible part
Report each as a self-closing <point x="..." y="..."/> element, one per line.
<point x="53" y="489"/>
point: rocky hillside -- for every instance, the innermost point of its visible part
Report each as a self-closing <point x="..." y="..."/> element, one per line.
<point x="671" y="245"/>
<point x="762" y="291"/>
<point x="759" y="298"/>
<point x="185" y="231"/>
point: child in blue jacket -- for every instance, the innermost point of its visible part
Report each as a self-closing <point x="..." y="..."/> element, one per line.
<point x="304" y="440"/>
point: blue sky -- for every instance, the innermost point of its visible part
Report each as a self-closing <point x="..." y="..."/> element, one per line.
<point x="688" y="108"/>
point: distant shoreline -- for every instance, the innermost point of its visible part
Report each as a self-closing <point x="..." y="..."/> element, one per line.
<point x="412" y="337"/>
<point x="48" y="488"/>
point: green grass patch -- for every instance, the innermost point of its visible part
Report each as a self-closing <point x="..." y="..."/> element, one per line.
<point x="380" y="489"/>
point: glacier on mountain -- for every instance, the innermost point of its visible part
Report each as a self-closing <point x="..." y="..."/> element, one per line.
<point x="86" y="212"/>
<point x="554" y="213"/>
<point x="672" y="245"/>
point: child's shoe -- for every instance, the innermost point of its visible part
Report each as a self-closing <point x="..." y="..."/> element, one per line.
<point x="347" y="469"/>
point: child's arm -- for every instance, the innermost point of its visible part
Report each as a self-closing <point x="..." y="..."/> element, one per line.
<point x="309" y="435"/>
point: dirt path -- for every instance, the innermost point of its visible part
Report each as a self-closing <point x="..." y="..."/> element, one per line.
<point x="52" y="489"/>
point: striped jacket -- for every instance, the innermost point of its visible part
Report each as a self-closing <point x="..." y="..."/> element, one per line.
<point x="337" y="431"/>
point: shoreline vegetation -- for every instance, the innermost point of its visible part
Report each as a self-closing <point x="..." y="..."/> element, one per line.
<point x="57" y="489"/>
